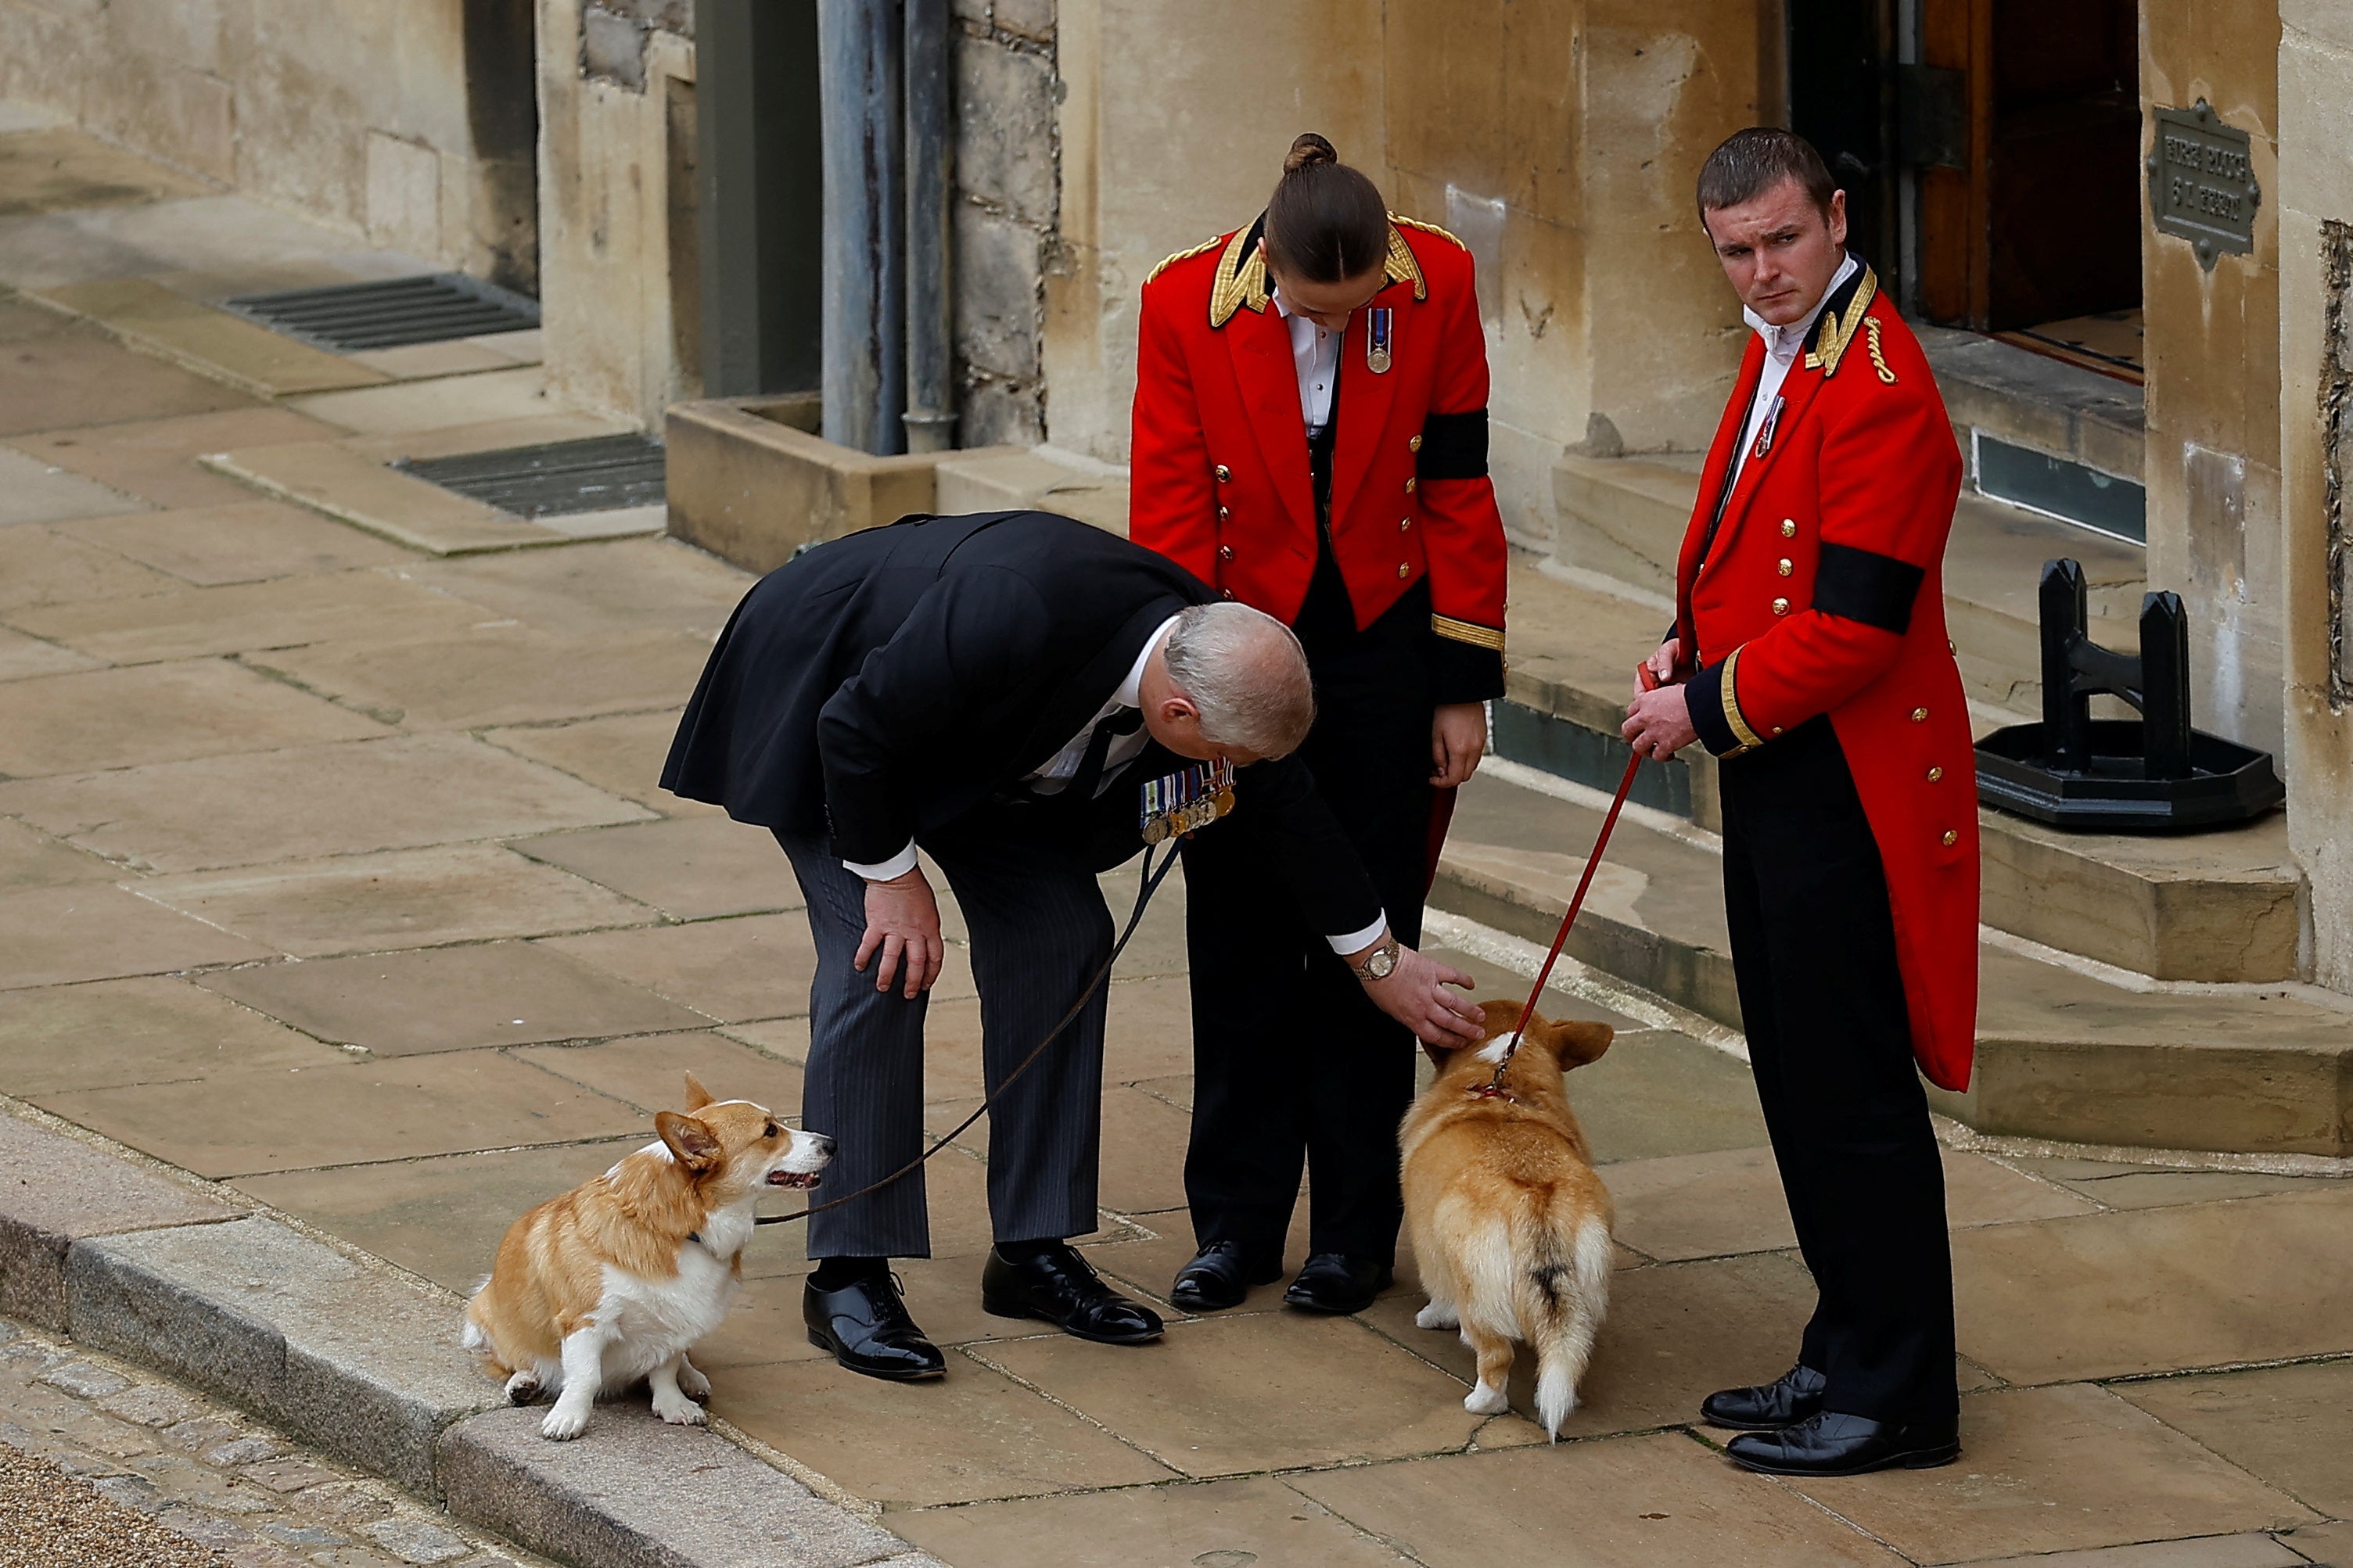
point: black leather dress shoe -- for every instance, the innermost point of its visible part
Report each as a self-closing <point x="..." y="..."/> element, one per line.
<point x="1335" y="1282"/>
<point x="1829" y="1444"/>
<point x="866" y="1326"/>
<point x="1766" y="1406"/>
<point x="1220" y="1276"/>
<point x="1058" y="1286"/>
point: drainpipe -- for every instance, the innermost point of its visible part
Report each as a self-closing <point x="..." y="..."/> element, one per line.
<point x="931" y="150"/>
<point x="865" y="357"/>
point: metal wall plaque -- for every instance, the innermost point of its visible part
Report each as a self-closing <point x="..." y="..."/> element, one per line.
<point x="2201" y="182"/>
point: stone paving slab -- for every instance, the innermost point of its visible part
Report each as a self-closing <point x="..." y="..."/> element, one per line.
<point x="690" y="868"/>
<point x="1662" y="1501"/>
<point x="22" y="657"/>
<point x="2056" y="1469"/>
<point x="621" y="754"/>
<point x="1224" y="1524"/>
<point x="402" y="792"/>
<point x="2205" y="1551"/>
<point x="360" y="488"/>
<point x="161" y="713"/>
<point x="188" y="623"/>
<point x="406" y="897"/>
<point x="243" y="1121"/>
<point x="144" y="1030"/>
<point x="40" y="566"/>
<point x="650" y="1071"/>
<point x="32" y="490"/>
<point x="406" y="408"/>
<point x="453" y="998"/>
<point x="60" y="1192"/>
<point x="227" y="348"/>
<point x="610" y="1498"/>
<point x="490" y="675"/>
<point x="81" y="377"/>
<point x="239" y="541"/>
<point x="362" y="1364"/>
<point x="2114" y="1295"/>
<point x="86" y="932"/>
<point x="155" y="460"/>
<point x="57" y="167"/>
<point x="596" y="589"/>
<point x="31" y="859"/>
<point x="2291" y="1424"/>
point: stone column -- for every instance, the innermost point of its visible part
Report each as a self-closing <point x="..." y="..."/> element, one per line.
<point x="2212" y="457"/>
<point x="2315" y="186"/>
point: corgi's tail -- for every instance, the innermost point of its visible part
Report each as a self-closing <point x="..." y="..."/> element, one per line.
<point x="1563" y="1296"/>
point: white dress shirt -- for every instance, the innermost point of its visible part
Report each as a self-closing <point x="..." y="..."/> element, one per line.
<point x="1781" y="346"/>
<point x="1316" y="354"/>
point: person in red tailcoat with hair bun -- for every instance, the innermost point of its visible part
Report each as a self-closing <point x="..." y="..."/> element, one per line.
<point x="1311" y="438"/>
<point x="1809" y="654"/>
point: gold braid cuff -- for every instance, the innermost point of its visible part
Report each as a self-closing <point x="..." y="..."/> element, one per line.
<point x="1469" y="632"/>
<point x="1733" y="716"/>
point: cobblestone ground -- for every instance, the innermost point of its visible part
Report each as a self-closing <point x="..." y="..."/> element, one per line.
<point x="105" y="1464"/>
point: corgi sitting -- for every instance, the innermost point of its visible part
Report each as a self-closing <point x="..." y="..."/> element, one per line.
<point x="1509" y="1226"/>
<point x="618" y="1279"/>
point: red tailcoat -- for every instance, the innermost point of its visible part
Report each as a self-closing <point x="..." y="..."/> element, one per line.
<point x="1823" y="592"/>
<point x="1220" y="481"/>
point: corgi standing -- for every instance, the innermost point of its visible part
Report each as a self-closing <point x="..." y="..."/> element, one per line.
<point x="1510" y="1224"/>
<point x="619" y="1278"/>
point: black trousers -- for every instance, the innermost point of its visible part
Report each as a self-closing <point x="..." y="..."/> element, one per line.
<point x="1293" y="1063"/>
<point x="1813" y="950"/>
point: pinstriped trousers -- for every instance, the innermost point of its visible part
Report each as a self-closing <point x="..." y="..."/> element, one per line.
<point x="1038" y="930"/>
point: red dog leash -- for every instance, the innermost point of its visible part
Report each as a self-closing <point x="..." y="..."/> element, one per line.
<point x="1493" y="1088"/>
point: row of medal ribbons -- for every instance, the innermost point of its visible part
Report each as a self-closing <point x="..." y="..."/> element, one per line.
<point x="1183" y="801"/>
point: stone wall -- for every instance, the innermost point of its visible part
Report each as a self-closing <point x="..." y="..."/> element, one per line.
<point x="355" y="113"/>
<point x="1008" y="203"/>
<point x="1560" y="141"/>
<point x="2212" y="457"/>
<point x="619" y="273"/>
<point x="2314" y="186"/>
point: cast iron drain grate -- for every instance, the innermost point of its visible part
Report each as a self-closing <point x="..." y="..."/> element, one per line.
<point x="350" y="318"/>
<point x="554" y="481"/>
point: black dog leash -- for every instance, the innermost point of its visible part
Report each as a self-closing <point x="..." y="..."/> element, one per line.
<point x="1152" y="880"/>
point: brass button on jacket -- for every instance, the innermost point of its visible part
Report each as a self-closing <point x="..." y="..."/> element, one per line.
<point x="1783" y="566"/>
<point x="1224" y="512"/>
<point x="1404" y="524"/>
<point x="1225" y="553"/>
<point x="1919" y="715"/>
<point x="1936" y="773"/>
<point x="1951" y="838"/>
<point x="1780" y="606"/>
<point x="1225" y="474"/>
<point x="1408" y="484"/>
<point x="1403" y="570"/>
<point x="1789" y="527"/>
<point x="1413" y="443"/>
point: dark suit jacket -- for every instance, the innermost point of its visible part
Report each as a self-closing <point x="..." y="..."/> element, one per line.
<point x="886" y="684"/>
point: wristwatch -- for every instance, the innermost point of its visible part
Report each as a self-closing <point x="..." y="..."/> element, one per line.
<point x="1381" y="964"/>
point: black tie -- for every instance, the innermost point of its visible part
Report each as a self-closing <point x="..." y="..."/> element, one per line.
<point x="1088" y="778"/>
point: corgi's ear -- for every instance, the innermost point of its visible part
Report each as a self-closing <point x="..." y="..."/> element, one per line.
<point x="697" y="1097"/>
<point x="695" y="1146"/>
<point x="1578" y="1041"/>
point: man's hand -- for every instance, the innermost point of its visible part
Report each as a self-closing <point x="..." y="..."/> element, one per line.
<point x="1659" y="723"/>
<point x="1457" y="739"/>
<point x="1662" y="663"/>
<point x="902" y="922"/>
<point x="1416" y="995"/>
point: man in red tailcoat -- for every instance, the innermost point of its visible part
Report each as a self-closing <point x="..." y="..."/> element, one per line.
<point x="1809" y="652"/>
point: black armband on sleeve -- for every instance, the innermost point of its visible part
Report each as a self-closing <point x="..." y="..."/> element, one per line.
<point x="1866" y="587"/>
<point x="1453" y="446"/>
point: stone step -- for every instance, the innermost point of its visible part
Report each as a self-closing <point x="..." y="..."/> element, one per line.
<point x="2062" y="1054"/>
<point x="1623" y="518"/>
<point x="2217" y="906"/>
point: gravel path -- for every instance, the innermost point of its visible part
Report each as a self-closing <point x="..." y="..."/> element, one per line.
<point x="51" y="1520"/>
<point x="102" y="1463"/>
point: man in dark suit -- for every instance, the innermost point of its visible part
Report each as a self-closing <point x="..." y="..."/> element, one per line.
<point x="994" y="690"/>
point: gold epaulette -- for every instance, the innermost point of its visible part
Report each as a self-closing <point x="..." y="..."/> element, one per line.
<point x="1428" y="228"/>
<point x="1201" y="249"/>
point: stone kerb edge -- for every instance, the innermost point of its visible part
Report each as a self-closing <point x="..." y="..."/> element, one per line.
<point x="366" y="1365"/>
